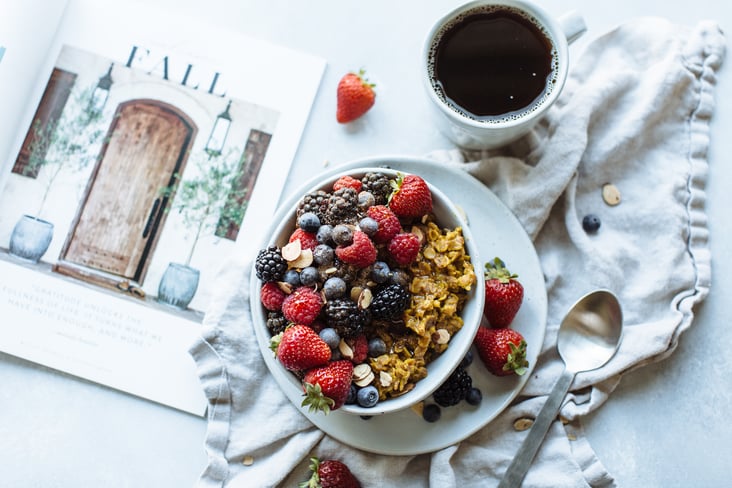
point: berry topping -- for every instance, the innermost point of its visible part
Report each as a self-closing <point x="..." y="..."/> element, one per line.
<point x="379" y="185"/>
<point x="347" y="181"/>
<point x="309" y="222"/>
<point x="390" y="301"/>
<point x="302" y="306"/>
<point x="270" y="265"/>
<point x="368" y="396"/>
<point x="389" y="225"/>
<point x="411" y="198"/>
<point x="301" y="348"/>
<point x="360" y="253"/>
<point x="345" y="317"/>
<point x="404" y="248"/>
<point x="342" y="207"/>
<point x="272" y="296"/>
<point x="307" y="239"/>
<point x="334" y="287"/>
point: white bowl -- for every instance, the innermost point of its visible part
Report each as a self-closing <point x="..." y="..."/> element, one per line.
<point x="447" y="216"/>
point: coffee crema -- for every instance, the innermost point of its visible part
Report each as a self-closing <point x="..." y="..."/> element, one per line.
<point x="493" y="65"/>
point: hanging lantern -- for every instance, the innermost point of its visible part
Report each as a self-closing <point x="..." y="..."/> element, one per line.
<point x="101" y="93"/>
<point x="217" y="139"/>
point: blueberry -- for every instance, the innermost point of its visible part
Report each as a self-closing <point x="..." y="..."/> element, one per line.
<point x="368" y="225"/>
<point x="366" y="199"/>
<point x="323" y="255"/>
<point x="309" y="276"/>
<point x="330" y="337"/>
<point x="334" y="287"/>
<point x="292" y="277"/>
<point x="474" y="396"/>
<point x="368" y="396"/>
<point x="380" y="273"/>
<point x="342" y="234"/>
<point x="352" y="394"/>
<point x="309" y="222"/>
<point x="431" y="413"/>
<point x="365" y="417"/>
<point x="400" y="277"/>
<point x="467" y="359"/>
<point x="377" y="347"/>
<point x="324" y="234"/>
<point x="591" y="223"/>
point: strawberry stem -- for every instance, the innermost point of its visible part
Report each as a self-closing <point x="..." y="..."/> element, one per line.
<point x="315" y="400"/>
<point x="516" y="360"/>
<point x="496" y="269"/>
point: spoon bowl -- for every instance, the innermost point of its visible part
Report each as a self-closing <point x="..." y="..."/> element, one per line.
<point x="588" y="337"/>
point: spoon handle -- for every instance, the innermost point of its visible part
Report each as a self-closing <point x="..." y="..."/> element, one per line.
<point x="521" y="462"/>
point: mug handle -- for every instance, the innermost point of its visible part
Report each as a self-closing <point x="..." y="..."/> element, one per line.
<point x="573" y="25"/>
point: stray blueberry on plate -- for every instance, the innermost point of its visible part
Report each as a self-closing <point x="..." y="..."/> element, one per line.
<point x="352" y="393"/>
<point x="467" y="359"/>
<point x="368" y="396"/>
<point x="474" y="396"/>
<point x="591" y="223"/>
<point x="431" y="413"/>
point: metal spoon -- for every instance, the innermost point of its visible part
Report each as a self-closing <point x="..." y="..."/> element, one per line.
<point x="588" y="337"/>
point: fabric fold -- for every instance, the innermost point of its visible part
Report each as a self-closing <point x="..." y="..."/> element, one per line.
<point x="635" y="113"/>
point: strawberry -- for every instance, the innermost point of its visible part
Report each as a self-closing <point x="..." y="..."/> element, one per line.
<point x="503" y="294"/>
<point x="389" y="225"/>
<point x="503" y="351"/>
<point x="404" y="248"/>
<point x="308" y="240"/>
<point x="272" y="296"/>
<point x="360" y="253"/>
<point x="347" y="181"/>
<point x="411" y="197"/>
<point x="355" y="96"/>
<point x="302" y="306"/>
<point x="330" y="473"/>
<point x="326" y="387"/>
<point x="300" y="348"/>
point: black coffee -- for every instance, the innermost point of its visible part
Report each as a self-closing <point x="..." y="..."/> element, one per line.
<point x="493" y="65"/>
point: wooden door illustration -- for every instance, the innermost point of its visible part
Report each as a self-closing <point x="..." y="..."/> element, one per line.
<point x="117" y="224"/>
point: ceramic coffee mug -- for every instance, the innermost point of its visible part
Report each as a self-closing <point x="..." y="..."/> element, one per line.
<point x="493" y="69"/>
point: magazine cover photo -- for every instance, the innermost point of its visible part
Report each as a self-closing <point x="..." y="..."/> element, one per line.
<point x="134" y="179"/>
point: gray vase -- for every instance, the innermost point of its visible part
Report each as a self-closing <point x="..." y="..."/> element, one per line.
<point x="30" y="238"/>
<point x="178" y="285"/>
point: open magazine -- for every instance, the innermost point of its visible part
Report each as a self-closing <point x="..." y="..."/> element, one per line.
<point x="137" y="150"/>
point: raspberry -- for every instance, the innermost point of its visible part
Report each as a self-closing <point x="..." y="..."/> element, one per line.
<point x="307" y="239"/>
<point x="347" y="181"/>
<point x="272" y="297"/>
<point x="302" y="306"/>
<point x="360" y="253"/>
<point x="360" y="347"/>
<point x="404" y="248"/>
<point x="389" y="225"/>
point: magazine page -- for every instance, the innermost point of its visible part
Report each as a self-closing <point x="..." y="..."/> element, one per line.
<point x="150" y="150"/>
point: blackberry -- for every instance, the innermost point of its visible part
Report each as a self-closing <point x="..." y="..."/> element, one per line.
<point x="455" y="389"/>
<point x="338" y="269"/>
<point x="315" y="202"/>
<point x="345" y="317"/>
<point x="342" y="207"/>
<point x="390" y="301"/>
<point x="276" y="322"/>
<point x="270" y="265"/>
<point x="379" y="185"/>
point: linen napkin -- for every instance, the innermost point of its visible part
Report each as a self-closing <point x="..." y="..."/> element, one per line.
<point x="635" y="113"/>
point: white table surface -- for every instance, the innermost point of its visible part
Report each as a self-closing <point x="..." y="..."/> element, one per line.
<point x="666" y="425"/>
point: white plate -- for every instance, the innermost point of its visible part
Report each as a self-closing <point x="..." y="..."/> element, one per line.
<point x="498" y="233"/>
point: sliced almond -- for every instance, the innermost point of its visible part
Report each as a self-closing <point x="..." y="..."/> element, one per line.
<point x="385" y="379"/>
<point x="364" y="299"/>
<point x="285" y="287"/>
<point x="292" y="250"/>
<point x="523" y="424"/>
<point x="365" y="381"/>
<point x="418" y="232"/>
<point x="610" y="194"/>
<point x="355" y="293"/>
<point x="345" y="349"/>
<point x="418" y="408"/>
<point x="304" y="260"/>
<point x="443" y="336"/>
<point x="247" y="461"/>
<point x="361" y="371"/>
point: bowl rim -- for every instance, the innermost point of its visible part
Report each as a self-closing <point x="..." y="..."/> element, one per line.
<point x="284" y="219"/>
